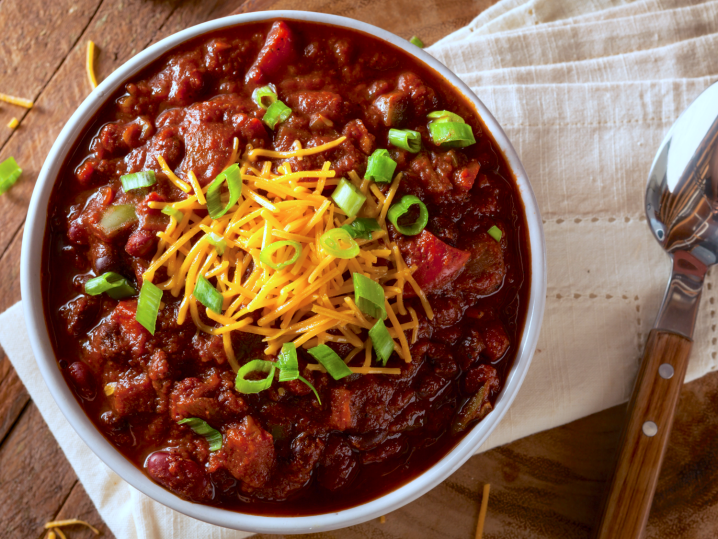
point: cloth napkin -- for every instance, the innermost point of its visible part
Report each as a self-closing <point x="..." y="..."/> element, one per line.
<point x="586" y="92"/>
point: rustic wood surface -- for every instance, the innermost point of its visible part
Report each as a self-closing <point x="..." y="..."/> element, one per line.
<point x="640" y="452"/>
<point x="545" y="486"/>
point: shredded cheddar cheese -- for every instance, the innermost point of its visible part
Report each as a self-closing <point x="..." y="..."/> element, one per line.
<point x="90" y="64"/>
<point x="482" y="511"/>
<point x="12" y="124"/>
<point x="19" y="101"/>
<point x="309" y="302"/>
<point x="55" y="525"/>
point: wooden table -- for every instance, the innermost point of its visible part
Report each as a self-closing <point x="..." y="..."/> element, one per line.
<point x="544" y="486"/>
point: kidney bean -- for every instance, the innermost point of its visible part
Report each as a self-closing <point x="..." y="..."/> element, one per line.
<point x="184" y="477"/>
<point x="82" y="380"/>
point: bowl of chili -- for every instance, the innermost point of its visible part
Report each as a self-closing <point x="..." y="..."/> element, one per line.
<point x="283" y="272"/>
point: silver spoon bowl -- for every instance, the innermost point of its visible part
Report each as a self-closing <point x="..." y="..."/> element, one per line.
<point x="682" y="211"/>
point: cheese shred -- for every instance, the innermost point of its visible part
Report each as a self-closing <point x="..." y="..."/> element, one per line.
<point x="12" y="124"/>
<point x="482" y="511"/>
<point x="57" y="524"/>
<point x="19" y="101"/>
<point x="308" y="302"/>
<point x="90" y="64"/>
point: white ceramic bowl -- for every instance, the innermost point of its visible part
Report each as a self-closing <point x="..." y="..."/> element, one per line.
<point x="37" y="329"/>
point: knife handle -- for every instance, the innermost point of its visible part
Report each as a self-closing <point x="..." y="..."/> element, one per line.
<point x="645" y="436"/>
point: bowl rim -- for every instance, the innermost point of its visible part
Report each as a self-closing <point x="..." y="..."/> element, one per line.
<point x="31" y="261"/>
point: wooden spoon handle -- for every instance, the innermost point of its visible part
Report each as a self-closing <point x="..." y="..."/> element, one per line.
<point x="645" y="436"/>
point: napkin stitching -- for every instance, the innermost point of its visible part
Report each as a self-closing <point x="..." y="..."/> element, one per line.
<point x="594" y="124"/>
<point x="578" y="220"/>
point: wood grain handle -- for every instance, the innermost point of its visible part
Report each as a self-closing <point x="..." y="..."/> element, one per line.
<point x="645" y="436"/>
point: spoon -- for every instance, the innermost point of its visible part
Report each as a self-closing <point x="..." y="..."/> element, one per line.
<point x="682" y="211"/>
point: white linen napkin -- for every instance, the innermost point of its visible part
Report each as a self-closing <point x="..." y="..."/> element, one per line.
<point x="585" y="91"/>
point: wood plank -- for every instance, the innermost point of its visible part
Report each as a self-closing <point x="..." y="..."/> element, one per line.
<point x="192" y="13"/>
<point x="13" y="398"/>
<point x="429" y="19"/>
<point x="46" y="37"/>
<point x="13" y="395"/>
<point x="35" y="477"/>
<point x="115" y="30"/>
<point x="78" y="505"/>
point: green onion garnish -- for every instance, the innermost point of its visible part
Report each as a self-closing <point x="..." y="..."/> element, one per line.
<point x="233" y="178"/>
<point x="115" y="217"/>
<point x="361" y="227"/>
<point x="369" y="296"/>
<point x="495" y="232"/>
<point x="348" y="197"/>
<point x="416" y="41"/>
<point x="173" y="212"/>
<point x="276" y="113"/>
<point x="401" y="208"/>
<point x="199" y="426"/>
<point x="451" y="134"/>
<point x="113" y="283"/>
<point x="382" y="341"/>
<point x="265" y="255"/>
<point x="406" y="139"/>
<point x="264" y="96"/>
<point x="217" y="241"/>
<point x="440" y="116"/>
<point x="310" y="387"/>
<point x="9" y="173"/>
<point x="207" y="295"/>
<point x="287" y="362"/>
<point x="380" y="167"/>
<point x="138" y="180"/>
<point x="255" y="386"/>
<point x="339" y="243"/>
<point x="148" y="306"/>
<point x="331" y="361"/>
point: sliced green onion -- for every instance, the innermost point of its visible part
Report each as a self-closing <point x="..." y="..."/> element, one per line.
<point x="451" y="134"/>
<point x="416" y="41"/>
<point x="339" y="243"/>
<point x="113" y="283"/>
<point x="287" y="362"/>
<point x="207" y="295"/>
<point x="255" y="386"/>
<point x="495" y="232"/>
<point x="199" y="426"/>
<point x="265" y="255"/>
<point x="276" y="114"/>
<point x="369" y="296"/>
<point x="310" y="387"/>
<point x="233" y="178"/>
<point x="173" y="212"/>
<point x="382" y="341"/>
<point x="361" y="227"/>
<point x="138" y="180"/>
<point x="401" y="208"/>
<point x="148" y="306"/>
<point x="380" y="167"/>
<point x="115" y="217"/>
<point x="406" y="139"/>
<point x="9" y="173"/>
<point x="441" y="116"/>
<point x="348" y="197"/>
<point x="331" y="361"/>
<point x="264" y="96"/>
<point x="217" y="241"/>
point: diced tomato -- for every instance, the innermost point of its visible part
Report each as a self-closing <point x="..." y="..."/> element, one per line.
<point x="278" y="50"/>
<point x="437" y="262"/>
